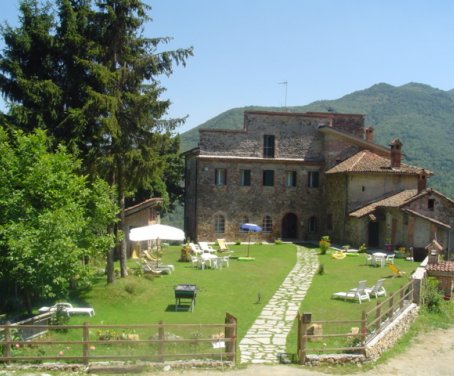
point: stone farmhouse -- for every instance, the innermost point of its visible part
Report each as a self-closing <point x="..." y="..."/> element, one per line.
<point x="304" y="175"/>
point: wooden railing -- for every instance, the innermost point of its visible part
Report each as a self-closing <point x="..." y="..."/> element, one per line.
<point x="153" y="342"/>
<point x="349" y="336"/>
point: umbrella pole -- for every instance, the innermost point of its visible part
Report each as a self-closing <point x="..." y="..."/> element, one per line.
<point x="248" y="242"/>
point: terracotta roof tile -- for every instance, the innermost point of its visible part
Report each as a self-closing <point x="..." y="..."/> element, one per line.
<point x="394" y="200"/>
<point x="366" y="161"/>
<point x="445" y="266"/>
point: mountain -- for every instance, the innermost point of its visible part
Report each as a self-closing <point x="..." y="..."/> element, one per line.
<point x="421" y="116"/>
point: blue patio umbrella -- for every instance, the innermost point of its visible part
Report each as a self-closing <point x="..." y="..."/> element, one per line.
<point x="250" y="227"/>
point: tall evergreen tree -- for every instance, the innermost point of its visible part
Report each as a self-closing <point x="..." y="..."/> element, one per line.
<point x="89" y="76"/>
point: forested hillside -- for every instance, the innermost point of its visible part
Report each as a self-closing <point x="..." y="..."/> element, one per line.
<point x="422" y="117"/>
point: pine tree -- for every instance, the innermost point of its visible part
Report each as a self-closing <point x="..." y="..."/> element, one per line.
<point x="93" y="84"/>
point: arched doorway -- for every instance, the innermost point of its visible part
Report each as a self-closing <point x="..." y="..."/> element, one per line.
<point x="289" y="226"/>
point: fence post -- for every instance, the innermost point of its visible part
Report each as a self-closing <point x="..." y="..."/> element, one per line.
<point x="391" y="305"/>
<point x="378" y="317"/>
<point x="161" y="335"/>
<point x="7" y="345"/>
<point x="305" y="322"/>
<point x="86" y="338"/>
<point x="363" y="331"/>
<point x="230" y="333"/>
<point x="401" y="298"/>
<point x="417" y="287"/>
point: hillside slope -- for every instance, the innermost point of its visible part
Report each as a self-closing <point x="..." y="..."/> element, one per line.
<point x="421" y="116"/>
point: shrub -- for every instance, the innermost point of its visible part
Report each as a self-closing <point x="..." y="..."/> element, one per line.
<point x="324" y="244"/>
<point x="433" y="298"/>
<point x="278" y="241"/>
<point x="321" y="269"/>
<point x="362" y="248"/>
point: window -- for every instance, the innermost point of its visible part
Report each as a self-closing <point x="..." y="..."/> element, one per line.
<point x="244" y="220"/>
<point x="245" y="178"/>
<point x="268" y="146"/>
<point x="312" y="179"/>
<point x="268" y="178"/>
<point x="313" y="226"/>
<point x="431" y="204"/>
<point x="267" y="224"/>
<point x="219" y="224"/>
<point x="220" y="176"/>
<point x="290" y="178"/>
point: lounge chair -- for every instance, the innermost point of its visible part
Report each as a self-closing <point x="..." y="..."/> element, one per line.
<point x="222" y="246"/>
<point x="206" y="248"/>
<point x="195" y="249"/>
<point x="369" y="259"/>
<point x="377" y="289"/>
<point x="68" y="309"/>
<point x="395" y="270"/>
<point x="358" y="293"/>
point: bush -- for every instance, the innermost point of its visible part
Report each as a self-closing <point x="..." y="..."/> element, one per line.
<point x="321" y="269"/>
<point x="324" y="244"/>
<point x="278" y="241"/>
<point x="433" y="298"/>
<point x="362" y="248"/>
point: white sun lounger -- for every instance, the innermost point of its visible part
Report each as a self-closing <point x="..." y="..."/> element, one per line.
<point x="68" y="309"/>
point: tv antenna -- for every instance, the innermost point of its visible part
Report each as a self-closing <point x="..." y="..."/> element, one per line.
<point x="285" y="98"/>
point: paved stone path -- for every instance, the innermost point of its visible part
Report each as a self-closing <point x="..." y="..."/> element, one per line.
<point x="266" y="338"/>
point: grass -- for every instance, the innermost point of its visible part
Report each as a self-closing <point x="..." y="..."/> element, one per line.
<point x="233" y="290"/>
<point x="342" y="275"/>
<point x="140" y="300"/>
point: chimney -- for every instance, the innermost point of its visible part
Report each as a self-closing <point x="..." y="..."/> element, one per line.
<point x="422" y="181"/>
<point x="396" y="153"/>
<point x="369" y="134"/>
<point x="433" y="257"/>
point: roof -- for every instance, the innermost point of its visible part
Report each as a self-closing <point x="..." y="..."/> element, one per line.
<point x="367" y="161"/>
<point x="445" y="266"/>
<point x="435" y="221"/>
<point x="429" y="192"/>
<point x="394" y="200"/>
<point x="154" y="201"/>
<point x="351" y="138"/>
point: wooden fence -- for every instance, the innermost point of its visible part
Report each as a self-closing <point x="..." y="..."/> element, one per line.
<point x="349" y="336"/>
<point x="151" y="342"/>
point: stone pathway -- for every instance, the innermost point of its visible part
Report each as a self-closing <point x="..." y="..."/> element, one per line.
<point x="266" y="338"/>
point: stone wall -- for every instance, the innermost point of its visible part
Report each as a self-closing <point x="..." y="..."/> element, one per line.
<point x="235" y="202"/>
<point x="392" y="333"/>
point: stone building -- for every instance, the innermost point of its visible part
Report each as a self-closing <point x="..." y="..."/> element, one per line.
<point x="143" y="214"/>
<point x="304" y="175"/>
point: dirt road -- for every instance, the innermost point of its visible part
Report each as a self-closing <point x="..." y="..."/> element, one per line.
<point x="429" y="354"/>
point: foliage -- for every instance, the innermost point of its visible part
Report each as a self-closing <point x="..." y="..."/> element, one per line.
<point x="85" y="72"/>
<point x="433" y="298"/>
<point x="321" y="269"/>
<point x="52" y="220"/>
<point x="324" y="244"/>
<point x="278" y="241"/>
<point x="185" y="253"/>
<point x="362" y="248"/>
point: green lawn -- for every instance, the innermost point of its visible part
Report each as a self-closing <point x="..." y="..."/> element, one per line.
<point x="233" y="290"/>
<point x="141" y="300"/>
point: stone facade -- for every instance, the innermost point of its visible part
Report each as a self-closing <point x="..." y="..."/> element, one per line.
<point x="304" y="175"/>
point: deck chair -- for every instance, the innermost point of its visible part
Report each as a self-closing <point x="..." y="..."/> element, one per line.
<point x="377" y="289"/>
<point x="395" y="270"/>
<point x="222" y="246"/>
<point x="358" y="293"/>
<point x="195" y="249"/>
<point x="206" y="248"/>
<point x="148" y="256"/>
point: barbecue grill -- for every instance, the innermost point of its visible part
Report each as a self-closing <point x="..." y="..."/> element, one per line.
<point x="185" y="292"/>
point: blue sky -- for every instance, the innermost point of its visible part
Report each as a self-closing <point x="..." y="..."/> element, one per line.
<point x="324" y="49"/>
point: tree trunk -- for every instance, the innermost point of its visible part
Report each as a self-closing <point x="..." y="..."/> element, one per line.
<point x="110" y="270"/>
<point x="121" y="195"/>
